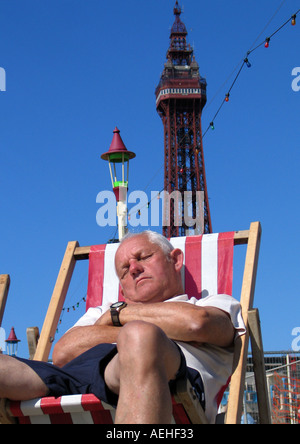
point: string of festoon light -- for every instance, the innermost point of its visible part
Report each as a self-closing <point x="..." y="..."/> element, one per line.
<point x="68" y="309"/>
<point x="246" y="62"/>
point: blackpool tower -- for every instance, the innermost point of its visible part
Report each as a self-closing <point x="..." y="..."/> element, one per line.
<point x="180" y="99"/>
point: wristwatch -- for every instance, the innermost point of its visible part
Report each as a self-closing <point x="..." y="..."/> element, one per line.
<point x="115" y="312"/>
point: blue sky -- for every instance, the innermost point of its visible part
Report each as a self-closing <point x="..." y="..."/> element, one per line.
<point x="75" y="69"/>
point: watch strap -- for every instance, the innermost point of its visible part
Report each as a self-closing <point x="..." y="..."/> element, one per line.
<point x="115" y="314"/>
<point x="115" y="317"/>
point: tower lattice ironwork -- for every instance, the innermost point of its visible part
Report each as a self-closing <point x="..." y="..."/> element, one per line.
<point x="180" y="99"/>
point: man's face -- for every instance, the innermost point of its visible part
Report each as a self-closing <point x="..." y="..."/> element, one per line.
<point x="146" y="274"/>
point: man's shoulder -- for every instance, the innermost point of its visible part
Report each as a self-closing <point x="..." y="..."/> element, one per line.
<point x="211" y="300"/>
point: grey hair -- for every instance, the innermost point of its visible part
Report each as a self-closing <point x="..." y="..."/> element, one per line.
<point x="154" y="238"/>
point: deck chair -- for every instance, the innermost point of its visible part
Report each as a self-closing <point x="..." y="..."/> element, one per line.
<point x="208" y="270"/>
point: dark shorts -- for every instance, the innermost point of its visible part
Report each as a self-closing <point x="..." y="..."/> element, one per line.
<point x="85" y="374"/>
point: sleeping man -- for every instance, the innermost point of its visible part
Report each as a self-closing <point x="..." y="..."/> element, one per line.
<point x="130" y="354"/>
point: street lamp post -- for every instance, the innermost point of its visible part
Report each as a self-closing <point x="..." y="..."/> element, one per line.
<point x="118" y="160"/>
<point x="12" y="343"/>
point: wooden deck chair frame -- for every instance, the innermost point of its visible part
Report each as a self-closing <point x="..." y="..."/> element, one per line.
<point x="184" y="394"/>
<point x="4" y="287"/>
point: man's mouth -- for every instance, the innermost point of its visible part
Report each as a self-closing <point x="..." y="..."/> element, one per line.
<point x="141" y="280"/>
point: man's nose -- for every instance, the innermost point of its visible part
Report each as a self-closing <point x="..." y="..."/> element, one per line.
<point x="135" y="267"/>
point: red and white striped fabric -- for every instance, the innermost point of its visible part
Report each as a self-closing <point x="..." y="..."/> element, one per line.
<point x="74" y="409"/>
<point x="208" y="268"/>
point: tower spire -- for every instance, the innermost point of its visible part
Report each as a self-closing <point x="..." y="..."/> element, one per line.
<point x="177" y="9"/>
<point x="180" y="99"/>
<point x="179" y="26"/>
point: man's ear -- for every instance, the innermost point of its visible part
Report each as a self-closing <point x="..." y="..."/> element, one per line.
<point x="177" y="257"/>
<point x="122" y="292"/>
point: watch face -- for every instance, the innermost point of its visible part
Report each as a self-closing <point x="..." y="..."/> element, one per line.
<point x="117" y="305"/>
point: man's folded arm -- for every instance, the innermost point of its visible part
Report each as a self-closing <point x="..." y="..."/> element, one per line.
<point x="78" y="340"/>
<point x="180" y="322"/>
<point x="184" y="322"/>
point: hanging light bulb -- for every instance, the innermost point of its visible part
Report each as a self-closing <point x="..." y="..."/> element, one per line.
<point x="247" y="63"/>
<point x="267" y="44"/>
<point x="294" y="20"/>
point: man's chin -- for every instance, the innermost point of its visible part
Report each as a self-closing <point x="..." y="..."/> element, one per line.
<point x="143" y="297"/>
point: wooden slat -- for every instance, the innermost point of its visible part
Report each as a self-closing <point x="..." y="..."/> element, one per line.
<point x="235" y="402"/>
<point x="240" y="238"/>
<point x="4" y="287"/>
<point x="56" y="303"/>
<point x="82" y="253"/>
<point x="259" y="368"/>
<point x="33" y="335"/>
<point x="186" y="396"/>
<point x="5" y="416"/>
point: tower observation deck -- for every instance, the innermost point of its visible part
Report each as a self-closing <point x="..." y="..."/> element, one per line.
<point x="180" y="99"/>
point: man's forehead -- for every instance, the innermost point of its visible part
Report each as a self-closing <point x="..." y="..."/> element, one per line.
<point x="135" y="245"/>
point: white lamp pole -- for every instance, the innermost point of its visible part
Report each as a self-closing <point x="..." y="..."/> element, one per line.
<point x="118" y="160"/>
